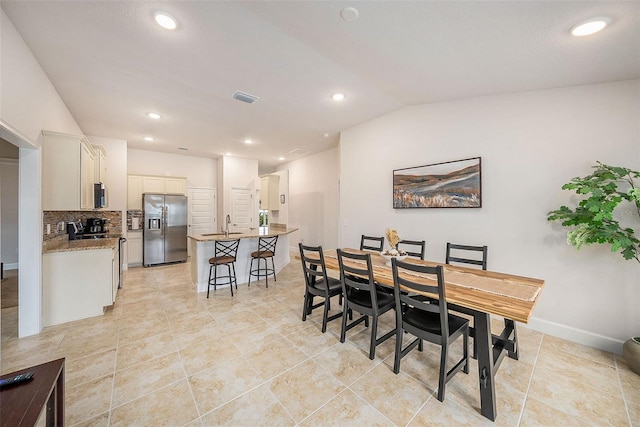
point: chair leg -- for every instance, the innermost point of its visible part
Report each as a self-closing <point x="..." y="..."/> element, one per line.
<point x="235" y="278"/>
<point x="443" y="371"/>
<point x="273" y="266"/>
<point x="465" y="351"/>
<point x="306" y="305"/>
<point x="230" y="279"/>
<point x="209" y="281"/>
<point x="374" y="331"/>
<point x="398" y="355"/>
<point x="325" y="315"/>
<point x="343" y="332"/>
<point x="251" y="271"/>
<point x="266" y="272"/>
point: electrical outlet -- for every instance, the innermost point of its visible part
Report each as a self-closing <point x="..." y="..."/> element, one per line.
<point x="48" y="228"/>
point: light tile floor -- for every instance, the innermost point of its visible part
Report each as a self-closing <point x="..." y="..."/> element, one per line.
<point x="164" y="355"/>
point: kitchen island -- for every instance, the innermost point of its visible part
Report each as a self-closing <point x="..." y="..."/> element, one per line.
<point x="203" y="248"/>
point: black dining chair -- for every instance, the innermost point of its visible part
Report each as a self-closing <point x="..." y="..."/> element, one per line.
<point x="318" y="284"/>
<point x="266" y="250"/>
<point x="477" y="255"/>
<point x="225" y="252"/>
<point x="413" y="248"/>
<point x="426" y="321"/>
<point x="362" y="295"/>
<point x="371" y="243"/>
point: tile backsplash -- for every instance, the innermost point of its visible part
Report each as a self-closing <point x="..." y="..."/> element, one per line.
<point x="54" y="217"/>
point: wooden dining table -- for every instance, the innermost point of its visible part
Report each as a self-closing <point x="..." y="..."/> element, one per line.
<point x="479" y="293"/>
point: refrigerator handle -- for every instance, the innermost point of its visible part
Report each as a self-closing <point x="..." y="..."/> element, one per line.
<point x="165" y="218"/>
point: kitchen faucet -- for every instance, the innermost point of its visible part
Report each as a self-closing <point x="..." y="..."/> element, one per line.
<point x="228" y="222"/>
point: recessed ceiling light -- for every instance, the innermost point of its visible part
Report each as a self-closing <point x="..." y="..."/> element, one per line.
<point x="591" y="26"/>
<point x="349" y="14"/>
<point x="326" y="135"/>
<point x="227" y="154"/>
<point x="165" y="20"/>
<point x="338" y="96"/>
<point x="148" y="138"/>
<point x="154" y="116"/>
<point x="280" y="158"/>
<point x="248" y="141"/>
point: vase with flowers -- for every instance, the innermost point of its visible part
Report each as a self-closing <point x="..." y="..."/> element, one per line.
<point x="393" y="239"/>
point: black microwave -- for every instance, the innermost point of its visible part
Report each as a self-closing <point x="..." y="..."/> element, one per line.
<point x="99" y="195"/>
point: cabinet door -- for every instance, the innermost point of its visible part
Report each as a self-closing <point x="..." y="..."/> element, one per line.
<point x="175" y="186"/>
<point x="134" y="192"/>
<point x="87" y="167"/>
<point x="61" y="172"/>
<point x="101" y="167"/>
<point x="152" y="184"/>
<point x="134" y="248"/>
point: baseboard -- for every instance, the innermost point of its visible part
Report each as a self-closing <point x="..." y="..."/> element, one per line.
<point x="576" y="335"/>
<point x="12" y="266"/>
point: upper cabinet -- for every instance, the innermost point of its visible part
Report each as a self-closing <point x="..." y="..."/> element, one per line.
<point x="270" y="192"/>
<point x="101" y="164"/>
<point x="68" y="172"/>
<point x="137" y="185"/>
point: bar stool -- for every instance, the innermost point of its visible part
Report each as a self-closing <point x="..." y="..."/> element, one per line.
<point x="266" y="250"/>
<point x="224" y="255"/>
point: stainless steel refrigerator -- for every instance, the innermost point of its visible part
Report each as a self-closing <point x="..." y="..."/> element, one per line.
<point x="164" y="233"/>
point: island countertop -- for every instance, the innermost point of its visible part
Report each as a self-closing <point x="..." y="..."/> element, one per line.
<point x="64" y="245"/>
<point x="251" y="234"/>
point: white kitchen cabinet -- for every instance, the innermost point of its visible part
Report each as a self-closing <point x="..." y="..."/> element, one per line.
<point x="134" y="192"/>
<point x="78" y="284"/>
<point x="270" y="192"/>
<point x="137" y="185"/>
<point x="101" y="165"/>
<point x="152" y="184"/>
<point x="68" y="172"/>
<point x="134" y="248"/>
<point x="175" y="186"/>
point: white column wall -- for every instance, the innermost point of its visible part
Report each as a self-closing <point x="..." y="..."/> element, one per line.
<point x="531" y="144"/>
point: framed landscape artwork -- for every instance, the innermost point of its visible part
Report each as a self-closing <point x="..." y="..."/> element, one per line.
<point x="455" y="184"/>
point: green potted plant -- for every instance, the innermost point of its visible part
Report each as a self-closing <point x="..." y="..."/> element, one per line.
<point x="592" y="221"/>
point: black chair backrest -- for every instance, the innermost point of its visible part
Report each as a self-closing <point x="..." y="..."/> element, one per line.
<point x="371" y="243"/>
<point x="313" y="265"/>
<point x="408" y="289"/>
<point x="480" y="258"/>
<point x="356" y="272"/>
<point x="267" y="244"/>
<point x="414" y="248"/>
<point x="224" y="248"/>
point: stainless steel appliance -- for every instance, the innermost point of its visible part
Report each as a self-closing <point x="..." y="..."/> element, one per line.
<point x="75" y="230"/>
<point x="164" y="232"/>
<point x="99" y="195"/>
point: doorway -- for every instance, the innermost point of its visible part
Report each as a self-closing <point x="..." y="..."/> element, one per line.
<point x="241" y="209"/>
<point x="9" y="188"/>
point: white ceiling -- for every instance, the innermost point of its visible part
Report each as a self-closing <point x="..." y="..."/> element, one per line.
<point x="111" y="63"/>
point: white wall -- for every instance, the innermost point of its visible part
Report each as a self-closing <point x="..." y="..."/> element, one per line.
<point x="9" y="209"/>
<point x="313" y="199"/>
<point x="28" y="104"/>
<point x="199" y="171"/>
<point x="531" y="144"/>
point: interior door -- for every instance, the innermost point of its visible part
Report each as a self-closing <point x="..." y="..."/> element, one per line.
<point x="202" y="211"/>
<point x="241" y="209"/>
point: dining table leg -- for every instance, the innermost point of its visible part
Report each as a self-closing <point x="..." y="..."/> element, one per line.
<point x="483" y="340"/>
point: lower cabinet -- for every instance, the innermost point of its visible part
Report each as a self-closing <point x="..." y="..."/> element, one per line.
<point x="78" y="284"/>
<point x="134" y="248"/>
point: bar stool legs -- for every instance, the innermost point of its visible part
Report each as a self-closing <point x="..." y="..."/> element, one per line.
<point x="224" y="255"/>
<point x="266" y="250"/>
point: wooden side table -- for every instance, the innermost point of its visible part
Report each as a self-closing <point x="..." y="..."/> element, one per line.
<point x="23" y="404"/>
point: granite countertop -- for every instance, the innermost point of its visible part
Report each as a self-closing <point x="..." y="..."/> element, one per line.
<point x="251" y="234"/>
<point x="66" y="245"/>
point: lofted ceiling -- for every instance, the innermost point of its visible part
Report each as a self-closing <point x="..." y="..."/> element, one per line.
<point x="111" y="63"/>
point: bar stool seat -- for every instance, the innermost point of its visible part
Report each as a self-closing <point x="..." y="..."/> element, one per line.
<point x="266" y="250"/>
<point x="224" y="255"/>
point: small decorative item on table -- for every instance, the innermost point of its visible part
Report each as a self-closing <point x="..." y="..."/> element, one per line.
<point x="393" y="239"/>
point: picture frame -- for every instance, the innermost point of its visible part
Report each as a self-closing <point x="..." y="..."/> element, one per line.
<point x="454" y="184"/>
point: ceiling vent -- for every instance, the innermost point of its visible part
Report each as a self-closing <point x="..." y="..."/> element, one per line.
<point x="245" y="97"/>
<point x="299" y="151"/>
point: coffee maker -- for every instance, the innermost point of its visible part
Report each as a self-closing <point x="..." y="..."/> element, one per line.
<point x="96" y="226"/>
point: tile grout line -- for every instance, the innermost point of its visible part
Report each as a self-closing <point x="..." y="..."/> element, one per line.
<point x="624" y="396"/>
<point x="533" y="371"/>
